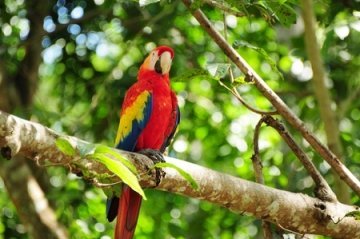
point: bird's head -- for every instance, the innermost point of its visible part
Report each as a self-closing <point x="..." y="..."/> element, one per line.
<point x="159" y="60"/>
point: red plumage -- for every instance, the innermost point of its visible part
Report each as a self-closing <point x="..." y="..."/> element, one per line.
<point x="160" y="118"/>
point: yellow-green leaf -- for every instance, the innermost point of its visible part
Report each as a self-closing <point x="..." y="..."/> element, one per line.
<point x="107" y="150"/>
<point x="183" y="173"/>
<point x="121" y="171"/>
<point x="64" y="146"/>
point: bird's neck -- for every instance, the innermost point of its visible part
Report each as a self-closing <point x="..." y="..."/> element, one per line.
<point x="146" y="75"/>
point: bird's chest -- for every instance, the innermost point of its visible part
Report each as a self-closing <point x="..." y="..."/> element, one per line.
<point x="154" y="134"/>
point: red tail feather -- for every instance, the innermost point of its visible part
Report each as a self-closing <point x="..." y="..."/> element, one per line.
<point x="128" y="213"/>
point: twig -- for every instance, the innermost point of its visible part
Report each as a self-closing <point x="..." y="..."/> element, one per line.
<point x="281" y="107"/>
<point x="346" y="103"/>
<point x="257" y="165"/>
<point x="322" y="189"/>
<point x="104" y="185"/>
<point x="235" y="93"/>
<point x="233" y="90"/>
<point x="224" y="7"/>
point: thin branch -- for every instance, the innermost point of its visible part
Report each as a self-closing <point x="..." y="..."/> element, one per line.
<point x="224" y="7"/>
<point x="322" y="188"/>
<point x="293" y="211"/>
<point x="235" y="93"/>
<point x="281" y="107"/>
<point x="233" y="89"/>
<point x="345" y="104"/>
<point x="257" y="165"/>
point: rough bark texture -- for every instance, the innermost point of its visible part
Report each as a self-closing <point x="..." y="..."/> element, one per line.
<point x="276" y="101"/>
<point x="322" y="93"/>
<point x="294" y="211"/>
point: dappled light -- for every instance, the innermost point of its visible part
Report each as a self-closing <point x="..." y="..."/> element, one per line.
<point x="76" y="59"/>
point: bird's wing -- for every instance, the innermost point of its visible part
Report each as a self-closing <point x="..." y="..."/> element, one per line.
<point x="135" y="114"/>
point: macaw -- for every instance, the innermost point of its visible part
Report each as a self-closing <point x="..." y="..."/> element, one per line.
<point x="148" y="119"/>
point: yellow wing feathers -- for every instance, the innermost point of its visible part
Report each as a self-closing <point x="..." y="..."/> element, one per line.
<point x="135" y="111"/>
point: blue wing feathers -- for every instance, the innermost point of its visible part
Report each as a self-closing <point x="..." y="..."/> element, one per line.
<point x="129" y="142"/>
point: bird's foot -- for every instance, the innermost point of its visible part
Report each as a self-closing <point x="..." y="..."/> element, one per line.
<point x="157" y="157"/>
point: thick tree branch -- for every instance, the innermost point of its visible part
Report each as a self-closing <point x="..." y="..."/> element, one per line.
<point x="293" y="211"/>
<point x="322" y="93"/>
<point x="276" y="101"/>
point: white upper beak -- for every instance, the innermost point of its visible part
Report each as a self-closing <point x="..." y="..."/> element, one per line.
<point x="165" y="62"/>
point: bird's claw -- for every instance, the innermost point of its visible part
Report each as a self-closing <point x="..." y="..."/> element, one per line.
<point x="157" y="157"/>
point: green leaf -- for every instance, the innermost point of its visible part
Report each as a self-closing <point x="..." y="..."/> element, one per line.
<point x="85" y="149"/>
<point x="184" y="174"/>
<point x="121" y="171"/>
<point x="218" y="70"/>
<point x="355" y="214"/>
<point x="100" y="149"/>
<point x="143" y="3"/>
<point x="283" y="12"/>
<point x="190" y="74"/>
<point x="64" y="146"/>
<point x="286" y="14"/>
<point x="243" y="80"/>
<point x="262" y="52"/>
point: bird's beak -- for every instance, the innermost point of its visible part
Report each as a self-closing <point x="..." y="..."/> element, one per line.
<point x="165" y="62"/>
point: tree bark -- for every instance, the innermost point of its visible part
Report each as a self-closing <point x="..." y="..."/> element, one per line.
<point x="294" y="211"/>
<point x="276" y="101"/>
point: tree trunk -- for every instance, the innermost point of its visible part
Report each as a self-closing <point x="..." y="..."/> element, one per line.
<point x="322" y="94"/>
<point x="17" y="93"/>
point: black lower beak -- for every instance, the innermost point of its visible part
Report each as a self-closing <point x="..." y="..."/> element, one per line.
<point x="158" y="67"/>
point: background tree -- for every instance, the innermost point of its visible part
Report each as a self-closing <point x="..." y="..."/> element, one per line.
<point x="90" y="54"/>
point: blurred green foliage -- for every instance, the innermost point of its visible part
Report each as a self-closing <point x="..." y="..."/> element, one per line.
<point x="89" y="62"/>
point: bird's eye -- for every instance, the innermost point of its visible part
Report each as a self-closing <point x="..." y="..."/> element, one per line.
<point x="158" y="67"/>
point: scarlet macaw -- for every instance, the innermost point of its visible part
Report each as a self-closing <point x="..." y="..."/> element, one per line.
<point x="148" y="119"/>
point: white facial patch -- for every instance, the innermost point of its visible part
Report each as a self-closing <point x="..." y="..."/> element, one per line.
<point x="153" y="59"/>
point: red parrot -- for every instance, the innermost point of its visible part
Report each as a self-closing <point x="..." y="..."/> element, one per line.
<point x="148" y="120"/>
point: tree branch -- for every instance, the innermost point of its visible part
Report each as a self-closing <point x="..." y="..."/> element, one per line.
<point x="322" y="94"/>
<point x="277" y="102"/>
<point x="257" y="166"/>
<point x="322" y="188"/>
<point x="224" y="7"/>
<point x="293" y="211"/>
